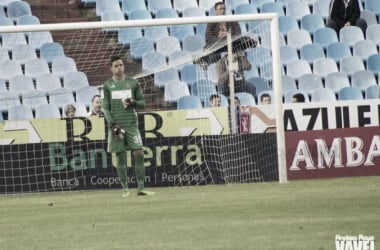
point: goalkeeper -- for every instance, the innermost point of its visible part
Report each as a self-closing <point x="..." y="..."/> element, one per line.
<point x="121" y="96"/>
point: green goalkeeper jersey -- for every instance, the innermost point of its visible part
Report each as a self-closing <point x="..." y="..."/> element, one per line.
<point x="114" y="92"/>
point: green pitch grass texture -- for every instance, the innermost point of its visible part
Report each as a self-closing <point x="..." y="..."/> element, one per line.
<point x="297" y="215"/>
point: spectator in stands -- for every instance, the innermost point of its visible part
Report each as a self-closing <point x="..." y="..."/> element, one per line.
<point x="122" y="96"/>
<point x="96" y="106"/>
<point x="69" y="111"/>
<point x="297" y="98"/>
<point x="237" y="101"/>
<point x="265" y="99"/>
<point x="215" y="101"/>
<point x="216" y="33"/>
<point x="345" y="13"/>
<point x="240" y="83"/>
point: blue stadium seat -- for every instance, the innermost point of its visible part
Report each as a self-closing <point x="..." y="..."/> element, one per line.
<point x="206" y="5"/>
<point x="4" y="54"/>
<point x="373" y="33"/>
<point x="62" y="65"/>
<point x="323" y="95"/>
<point x="203" y="88"/>
<point x="363" y="79"/>
<point x="9" y="69"/>
<point x="246" y="98"/>
<point x="350" y="65"/>
<point x="373" y="63"/>
<point x="309" y="82"/>
<point x="288" y="83"/>
<point x="168" y="45"/>
<point x="311" y="52"/>
<point x="8" y="40"/>
<point x="139" y="14"/>
<point x="154" y="33"/>
<point x="20" y="112"/>
<point x="298" y="38"/>
<point x="27" y="20"/>
<point x="325" y="36"/>
<point x="51" y="50"/>
<point x="189" y="102"/>
<point x="351" y="35"/>
<point x="260" y="83"/>
<point x="174" y="90"/>
<point x="372" y="92"/>
<point x="23" y="52"/>
<point x="20" y="84"/>
<point x="153" y="60"/>
<point x="163" y="76"/>
<point x="191" y="72"/>
<point x="298" y="68"/>
<point x="3" y="85"/>
<point x="288" y="54"/>
<point x="259" y="55"/>
<point x="321" y="7"/>
<point x="350" y="93"/>
<point x="36" y="67"/>
<point x="103" y="6"/>
<point x="167" y="13"/>
<point x="127" y="35"/>
<point x="49" y="110"/>
<point x="128" y="6"/>
<point x="369" y="17"/>
<point x="16" y="9"/>
<point x="34" y="98"/>
<point x="75" y="80"/>
<point x="61" y="97"/>
<point x="287" y="24"/>
<point x="193" y="44"/>
<point x="155" y="5"/>
<point x="235" y="3"/>
<point x="180" y="58"/>
<point x="193" y="12"/>
<point x="324" y="66"/>
<point x="181" y="5"/>
<point x="338" y="51"/>
<point x="336" y="81"/>
<point x="140" y="46"/>
<point x="114" y="15"/>
<point x="373" y="5"/>
<point x="37" y="39"/>
<point x="364" y="48"/>
<point x="8" y="99"/>
<point x="272" y="7"/>
<point x="6" y="21"/>
<point x="85" y="94"/>
<point x="181" y="31"/>
<point x="47" y="82"/>
<point x="298" y="9"/>
<point x="312" y="22"/>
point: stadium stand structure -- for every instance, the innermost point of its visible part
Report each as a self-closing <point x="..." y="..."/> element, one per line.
<point x="341" y="52"/>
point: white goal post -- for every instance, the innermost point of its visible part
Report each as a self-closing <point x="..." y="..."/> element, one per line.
<point x="275" y="65"/>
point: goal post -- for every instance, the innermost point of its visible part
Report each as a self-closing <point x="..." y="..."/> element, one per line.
<point x="182" y="146"/>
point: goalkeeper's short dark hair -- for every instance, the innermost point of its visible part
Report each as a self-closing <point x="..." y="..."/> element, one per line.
<point x="115" y="58"/>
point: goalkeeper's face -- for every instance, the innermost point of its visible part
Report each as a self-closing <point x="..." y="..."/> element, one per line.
<point x="117" y="68"/>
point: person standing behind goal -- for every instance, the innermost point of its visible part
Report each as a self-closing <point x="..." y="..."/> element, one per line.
<point x="121" y="96"/>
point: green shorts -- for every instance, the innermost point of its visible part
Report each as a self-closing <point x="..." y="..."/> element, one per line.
<point x="131" y="141"/>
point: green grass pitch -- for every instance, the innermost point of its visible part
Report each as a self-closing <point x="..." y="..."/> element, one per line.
<point x="296" y="215"/>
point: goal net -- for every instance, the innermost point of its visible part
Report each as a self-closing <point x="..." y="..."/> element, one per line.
<point x="186" y="141"/>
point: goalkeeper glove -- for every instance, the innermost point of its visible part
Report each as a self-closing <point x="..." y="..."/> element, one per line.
<point x="129" y="103"/>
<point x="117" y="131"/>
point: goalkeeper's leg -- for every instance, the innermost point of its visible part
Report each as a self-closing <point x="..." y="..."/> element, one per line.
<point x="140" y="172"/>
<point x="119" y="161"/>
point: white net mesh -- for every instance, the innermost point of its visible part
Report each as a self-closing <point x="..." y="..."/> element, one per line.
<point x="186" y="142"/>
